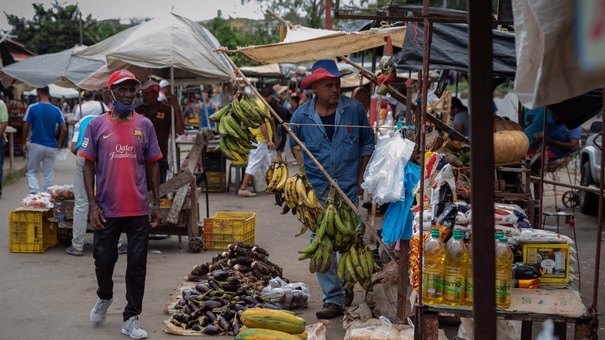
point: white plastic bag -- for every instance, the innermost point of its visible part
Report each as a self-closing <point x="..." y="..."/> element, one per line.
<point x="383" y="176"/>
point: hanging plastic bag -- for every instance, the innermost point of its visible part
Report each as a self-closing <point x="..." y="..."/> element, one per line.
<point x="388" y="159"/>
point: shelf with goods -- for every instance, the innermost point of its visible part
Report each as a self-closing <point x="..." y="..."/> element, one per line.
<point x="16" y="112"/>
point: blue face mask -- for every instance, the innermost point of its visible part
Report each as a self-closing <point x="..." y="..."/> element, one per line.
<point x="123" y="109"/>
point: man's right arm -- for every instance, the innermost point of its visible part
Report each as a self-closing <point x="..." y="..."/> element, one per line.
<point x="94" y="211"/>
<point x="26" y="127"/>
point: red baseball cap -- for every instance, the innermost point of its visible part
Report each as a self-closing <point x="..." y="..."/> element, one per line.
<point x="322" y="69"/>
<point x="120" y="76"/>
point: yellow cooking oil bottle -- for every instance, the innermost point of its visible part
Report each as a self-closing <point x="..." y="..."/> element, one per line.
<point x="468" y="291"/>
<point x="504" y="273"/>
<point x="433" y="269"/>
<point x="454" y="283"/>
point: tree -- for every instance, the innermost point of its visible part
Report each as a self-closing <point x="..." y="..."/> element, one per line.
<point x="58" y="28"/>
<point x="255" y="33"/>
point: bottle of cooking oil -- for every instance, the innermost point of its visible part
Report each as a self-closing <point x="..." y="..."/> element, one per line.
<point x="468" y="292"/>
<point x="433" y="269"/>
<point x="454" y="283"/>
<point x="504" y="274"/>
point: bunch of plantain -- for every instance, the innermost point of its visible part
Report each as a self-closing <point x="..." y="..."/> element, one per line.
<point x="358" y="265"/>
<point x="299" y="196"/>
<point x="276" y="175"/>
<point x="234" y="121"/>
<point x="335" y="231"/>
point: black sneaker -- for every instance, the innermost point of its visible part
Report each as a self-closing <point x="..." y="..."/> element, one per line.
<point x="349" y="297"/>
<point x="329" y="311"/>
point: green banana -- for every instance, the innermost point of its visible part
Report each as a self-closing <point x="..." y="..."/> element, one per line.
<point x="356" y="264"/>
<point x="234" y="128"/>
<point x="225" y="149"/>
<point x="330" y="220"/>
<point x="339" y="225"/>
<point x="363" y="260"/>
<point x="342" y="265"/>
<point x="351" y="275"/>
<point x="215" y="117"/>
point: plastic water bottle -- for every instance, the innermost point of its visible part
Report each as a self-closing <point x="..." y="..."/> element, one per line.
<point x="504" y="273"/>
<point x="468" y="292"/>
<point x="433" y="269"/>
<point x="456" y="257"/>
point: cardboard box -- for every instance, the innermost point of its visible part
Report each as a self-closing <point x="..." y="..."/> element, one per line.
<point x="553" y="259"/>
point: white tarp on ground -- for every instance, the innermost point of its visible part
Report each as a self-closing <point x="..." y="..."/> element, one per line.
<point x="308" y="44"/>
<point x="156" y="46"/>
<point x="547" y="71"/>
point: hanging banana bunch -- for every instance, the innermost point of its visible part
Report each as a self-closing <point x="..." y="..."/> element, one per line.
<point x="234" y="121"/>
<point x="300" y="198"/>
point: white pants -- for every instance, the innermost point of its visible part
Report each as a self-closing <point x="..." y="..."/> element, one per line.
<point x="80" y="207"/>
<point x="37" y="154"/>
<point x="259" y="159"/>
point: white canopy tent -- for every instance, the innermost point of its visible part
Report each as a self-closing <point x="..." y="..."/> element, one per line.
<point x="57" y="92"/>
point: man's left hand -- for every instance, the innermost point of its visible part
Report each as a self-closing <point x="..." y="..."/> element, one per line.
<point x="271" y="145"/>
<point x="156" y="217"/>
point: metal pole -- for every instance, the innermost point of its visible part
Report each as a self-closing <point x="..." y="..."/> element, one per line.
<point x="173" y="123"/>
<point x="482" y="157"/>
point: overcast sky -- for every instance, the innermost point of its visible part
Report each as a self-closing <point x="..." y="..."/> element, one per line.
<point x="124" y="9"/>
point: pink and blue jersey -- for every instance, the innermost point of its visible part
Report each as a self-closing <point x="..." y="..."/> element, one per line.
<point x="120" y="151"/>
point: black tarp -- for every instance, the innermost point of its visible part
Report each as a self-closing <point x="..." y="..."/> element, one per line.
<point x="449" y="49"/>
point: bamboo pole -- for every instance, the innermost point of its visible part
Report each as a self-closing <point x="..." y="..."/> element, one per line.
<point x="311" y="157"/>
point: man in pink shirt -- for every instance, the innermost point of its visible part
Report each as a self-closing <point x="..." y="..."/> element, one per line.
<point x="121" y="153"/>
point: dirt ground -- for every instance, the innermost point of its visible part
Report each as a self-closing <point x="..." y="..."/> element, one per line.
<point x="50" y="295"/>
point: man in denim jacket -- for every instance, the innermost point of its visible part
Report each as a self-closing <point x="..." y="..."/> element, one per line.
<point x="336" y="131"/>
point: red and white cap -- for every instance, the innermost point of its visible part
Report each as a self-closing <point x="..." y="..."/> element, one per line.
<point x="121" y="76"/>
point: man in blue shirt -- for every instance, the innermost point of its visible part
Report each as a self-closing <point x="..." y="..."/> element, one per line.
<point x="336" y="131"/>
<point x="41" y="119"/>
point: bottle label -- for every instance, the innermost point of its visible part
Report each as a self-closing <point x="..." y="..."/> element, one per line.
<point x="432" y="285"/>
<point x="503" y="288"/>
<point x="453" y="289"/>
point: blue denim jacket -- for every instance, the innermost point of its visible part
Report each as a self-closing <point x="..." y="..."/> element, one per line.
<point x="341" y="157"/>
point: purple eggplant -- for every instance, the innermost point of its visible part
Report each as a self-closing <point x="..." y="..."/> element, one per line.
<point x="214" y="285"/>
<point x="178" y="316"/>
<point x="236" y="325"/>
<point x="249" y="300"/>
<point x="197" y="327"/>
<point x="229" y="287"/>
<point x="186" y="292"/>
<point x="239" y="307"/>
<point x="212" y="330"/>
<point x="212" y="304"/>
<point x="202" y="288"/>
<point x="223" y="323"/>
<point x="220" y="275"/>
<point x="233" y="280"/>
<point x="211" y="316"/>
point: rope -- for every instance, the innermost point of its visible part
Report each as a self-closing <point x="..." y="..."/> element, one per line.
<point x="334" y="125"/>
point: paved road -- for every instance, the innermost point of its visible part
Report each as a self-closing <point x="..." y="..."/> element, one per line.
<point x="50" y="295"/>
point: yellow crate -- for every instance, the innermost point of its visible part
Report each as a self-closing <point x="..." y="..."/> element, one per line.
<point x="30" y="232"/>
<point x="229" y="227"/>
<point x="217" y="182"/>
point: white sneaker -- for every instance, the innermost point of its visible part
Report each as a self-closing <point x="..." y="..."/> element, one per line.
<point x="245" y="193"/>
<point x="98" y="314"/>
<point x="133" y="330"/>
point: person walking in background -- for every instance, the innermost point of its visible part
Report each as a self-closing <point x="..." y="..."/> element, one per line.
<point x="89" y="107"/>
<point x="3" y="125"/>
<point x="461" y="117"/>
<point x="259" y="158"/>
<point x="206" y="110"/>
<point x="121" y="152"/>
<point x="80" y="218"/>
<point x="336" y="131"/>
<point x="41" y="119"/>
<point x="160" y="115"/>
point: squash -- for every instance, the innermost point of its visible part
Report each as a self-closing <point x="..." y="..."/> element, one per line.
<point x="505" y="125"/>
<point x="510" y="146"/>
<point x="264" y="334"/>
<point x="273" y="319"/>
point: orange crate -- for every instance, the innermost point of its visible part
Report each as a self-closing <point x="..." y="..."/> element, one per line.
<point x="229" y="227"/>
<point x="30" y="232"/>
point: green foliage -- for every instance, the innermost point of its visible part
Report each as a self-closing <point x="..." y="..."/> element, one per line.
<point x="58" y="28"/>
<point x="250" y="33"/>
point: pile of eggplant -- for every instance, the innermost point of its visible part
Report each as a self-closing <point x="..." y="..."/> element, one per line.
<point x="248" y="259"/>
<point x="215" y="304"/>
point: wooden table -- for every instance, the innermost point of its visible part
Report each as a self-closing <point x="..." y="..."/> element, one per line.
<point x="562" y="306"/>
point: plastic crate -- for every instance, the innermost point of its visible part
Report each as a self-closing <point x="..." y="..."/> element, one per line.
<point x="217" y="182"/>
<point x="229" y="227"/>
<point x="30" y="232"/>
